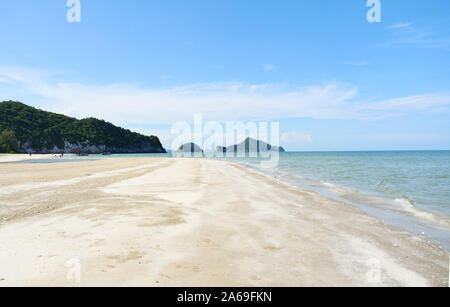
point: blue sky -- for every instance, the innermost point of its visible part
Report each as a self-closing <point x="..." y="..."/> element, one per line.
<point x="333" y="80"/>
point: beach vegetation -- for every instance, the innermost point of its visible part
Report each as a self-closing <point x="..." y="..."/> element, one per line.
<point x="41" y="130"/>
<point x="8" y="142"/>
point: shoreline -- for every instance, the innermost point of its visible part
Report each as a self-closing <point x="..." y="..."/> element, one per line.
<point x="12" y="158"/>
<point x="195" y="222"/>
<point x="419" y="221"/>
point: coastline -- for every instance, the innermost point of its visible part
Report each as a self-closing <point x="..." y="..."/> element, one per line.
<point x="395" y="212"/>
<point x="195" y="222"/>
<point x="13" y="158"/>
<point x="398" y="209"/>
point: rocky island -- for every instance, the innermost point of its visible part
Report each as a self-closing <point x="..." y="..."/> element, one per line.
<point x="249" y="145"/>
<point x="190" y="148"/>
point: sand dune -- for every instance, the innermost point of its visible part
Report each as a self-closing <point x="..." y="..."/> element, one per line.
<point x="193" y="222"/>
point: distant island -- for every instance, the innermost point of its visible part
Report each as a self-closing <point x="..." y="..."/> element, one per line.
<point x="25" y="129"/>
<point x="250" y="145"/>
<point x="190" y="148"/>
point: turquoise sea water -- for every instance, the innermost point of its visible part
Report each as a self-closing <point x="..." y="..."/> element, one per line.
<point x="406" y="189"/>
<point x="419" y="177"/>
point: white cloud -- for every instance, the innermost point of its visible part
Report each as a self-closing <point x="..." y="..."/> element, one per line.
<point x="400" y="25"/>
<point x="130" y="105"/>
<point x="412" y="103"/>
<point x="407" y="34"/>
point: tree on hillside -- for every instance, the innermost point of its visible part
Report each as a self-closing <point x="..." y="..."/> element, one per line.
<point x="8" y="142"/>
<point x="44" y="131"/>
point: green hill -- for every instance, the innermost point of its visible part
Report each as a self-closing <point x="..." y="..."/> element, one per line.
<point x="44" y="132"/>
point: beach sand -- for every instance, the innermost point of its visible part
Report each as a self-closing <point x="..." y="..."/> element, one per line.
<point x="7" y="158"/>
<point x="193" y="222"/>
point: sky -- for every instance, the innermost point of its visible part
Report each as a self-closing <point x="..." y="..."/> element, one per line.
<point x="331" y="79"/>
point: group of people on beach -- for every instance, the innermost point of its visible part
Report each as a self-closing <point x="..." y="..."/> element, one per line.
<point x="55" y="156"/>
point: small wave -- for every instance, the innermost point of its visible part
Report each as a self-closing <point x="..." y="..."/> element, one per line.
<point x="404" y="204"/>
<point x="338" y="189"/>
<point x="392" y="206"/>
<point x="408" y="204"/>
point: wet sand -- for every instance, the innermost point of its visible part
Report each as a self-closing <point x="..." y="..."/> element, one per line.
<point x="193" y="222"/>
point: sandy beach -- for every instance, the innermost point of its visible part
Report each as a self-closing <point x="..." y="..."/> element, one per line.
<point x="193" y="222"/>
<point x="7" y="158"/>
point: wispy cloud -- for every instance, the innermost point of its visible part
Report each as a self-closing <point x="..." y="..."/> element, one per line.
<point x="408" y="34"/>
<point x="359" y="64"/>
<point x="131" y="105"/>
<point x="400" y="25"/>
<point x="269" y="67"/>
<point x="165" y="77"/>
<point x="428" y="102"/>
<point x="4" y="80"/>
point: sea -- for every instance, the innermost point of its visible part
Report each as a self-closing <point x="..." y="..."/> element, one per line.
<point x="409" y="190"/>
